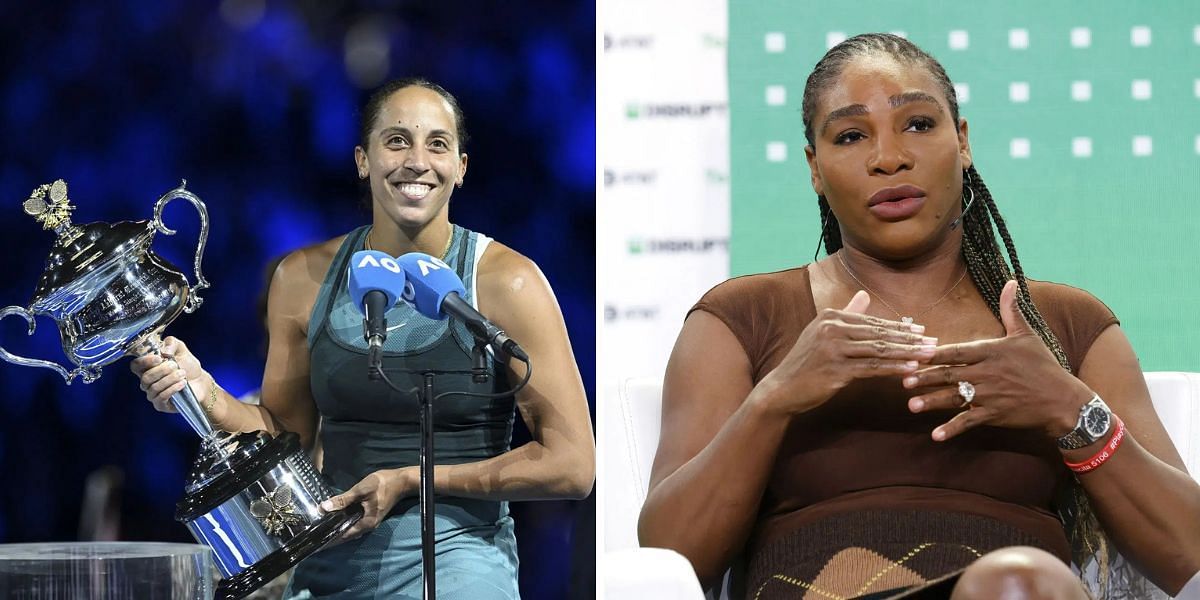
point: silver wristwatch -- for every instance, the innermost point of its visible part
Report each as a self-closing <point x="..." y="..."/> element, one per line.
<point x="1095" y="419"/>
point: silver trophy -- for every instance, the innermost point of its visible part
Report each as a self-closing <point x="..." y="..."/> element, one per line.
<point x="252" y="498"/>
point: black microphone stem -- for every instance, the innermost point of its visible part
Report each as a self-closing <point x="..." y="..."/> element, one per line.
<point x="374" y="330"/>
<point x="428" y="557"/>
<point x="479" y="372"/>
<point x="375" y="359"/>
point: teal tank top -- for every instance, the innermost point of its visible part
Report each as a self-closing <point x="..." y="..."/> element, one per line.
<point x="366" y="426"/>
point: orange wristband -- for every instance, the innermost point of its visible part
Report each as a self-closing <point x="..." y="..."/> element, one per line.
<point x="1105" y="453"/>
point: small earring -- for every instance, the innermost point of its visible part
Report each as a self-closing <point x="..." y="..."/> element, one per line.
<point x="458" y="185"/>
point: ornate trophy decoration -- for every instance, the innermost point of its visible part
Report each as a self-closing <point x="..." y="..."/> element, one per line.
<point x="254" y="499"/>
<point x="276" y="511"/>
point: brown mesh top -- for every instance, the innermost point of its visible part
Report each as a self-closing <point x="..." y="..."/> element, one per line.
<point x="863" y="450"/>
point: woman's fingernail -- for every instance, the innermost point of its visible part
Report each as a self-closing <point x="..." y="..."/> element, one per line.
<point x="916" y="404"/>
<point x="910" y="380"/>
<point x="929" y="341"/>
<point x="917" y="328"/>
<point x="912" y="364"/>
<point x="939" y="434"/>
<point x="327" y="505"/>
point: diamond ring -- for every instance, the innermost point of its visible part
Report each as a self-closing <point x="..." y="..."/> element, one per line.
<point x="967" y="392"/>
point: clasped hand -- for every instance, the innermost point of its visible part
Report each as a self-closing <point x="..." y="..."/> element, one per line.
<point x="165" y="373"/>
<point x="840" y="346"/>
<point x="377" y="493"/>
<point x="1018" y="382"/>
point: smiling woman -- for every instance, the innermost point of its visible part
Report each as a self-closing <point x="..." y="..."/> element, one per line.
<point x="412" y="123"/>
<point x="411" y="154"/>
<point x="909" y="414"/>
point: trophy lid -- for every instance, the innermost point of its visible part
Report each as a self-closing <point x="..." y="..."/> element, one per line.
<point x="79" y="250"/>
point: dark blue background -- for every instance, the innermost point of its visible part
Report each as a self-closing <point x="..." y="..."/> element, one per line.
<point x="256" y="105"/>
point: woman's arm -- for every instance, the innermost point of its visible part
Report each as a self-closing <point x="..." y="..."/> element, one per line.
<point x="721" y="431"/>
<point x="720" y="435"/>
<point x="1142" y="495"/>
<point x="560" y="459"/>
<point x="287" y="403"/>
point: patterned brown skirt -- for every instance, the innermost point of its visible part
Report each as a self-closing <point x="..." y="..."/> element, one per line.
<point x="875" y="554"/>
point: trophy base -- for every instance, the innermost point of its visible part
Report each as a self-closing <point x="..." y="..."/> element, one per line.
<point x="276" y="563"/>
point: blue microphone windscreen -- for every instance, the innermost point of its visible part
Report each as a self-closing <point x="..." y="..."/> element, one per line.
<point x="375" y="270"/>
<point x="429" y="282"/>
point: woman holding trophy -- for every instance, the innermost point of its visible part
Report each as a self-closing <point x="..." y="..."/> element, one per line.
<point x="411" y="155"/>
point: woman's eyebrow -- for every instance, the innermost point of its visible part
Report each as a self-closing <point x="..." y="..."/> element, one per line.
<point x="908" y="97"/>
<point x="896" y="101"/>
<point x="405" y="130"/>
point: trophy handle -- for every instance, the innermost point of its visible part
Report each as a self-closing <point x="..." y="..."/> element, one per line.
<point x="88" y="374"/>
<point x="193" y="300"/>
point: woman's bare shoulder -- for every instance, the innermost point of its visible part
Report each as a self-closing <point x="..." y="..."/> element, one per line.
<point x="500" y="264"/>
<point x="509" y="284"/>
<point x="310" y="263"/>
<point x="297" y="279"/>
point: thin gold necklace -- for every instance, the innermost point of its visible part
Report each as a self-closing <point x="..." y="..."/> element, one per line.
<point x="903" y="319"/>
<point x="445" y="251"/>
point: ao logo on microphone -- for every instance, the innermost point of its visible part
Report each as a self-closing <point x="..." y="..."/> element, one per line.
<point x="433" y="264"/>
<point x="387" y="263"/>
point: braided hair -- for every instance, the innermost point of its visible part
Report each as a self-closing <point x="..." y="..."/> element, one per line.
<point x="985" y="261"/>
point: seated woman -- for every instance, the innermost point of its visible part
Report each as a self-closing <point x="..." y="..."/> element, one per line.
<point x="880" y="420"/>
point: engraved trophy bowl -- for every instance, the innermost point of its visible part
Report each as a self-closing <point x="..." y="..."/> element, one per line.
<point x="250" y="497"/>
<point x="109" y="293"/>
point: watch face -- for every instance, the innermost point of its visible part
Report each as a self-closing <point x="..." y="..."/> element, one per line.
<point x="1095" y="422"/>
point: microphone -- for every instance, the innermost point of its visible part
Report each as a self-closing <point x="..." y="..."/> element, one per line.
<point x="376" y="282"/>
<point x="435" y="290"/>
<point x="957" y="220"/>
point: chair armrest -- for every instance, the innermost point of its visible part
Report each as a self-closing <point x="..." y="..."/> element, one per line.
<point x="649" y="573"/>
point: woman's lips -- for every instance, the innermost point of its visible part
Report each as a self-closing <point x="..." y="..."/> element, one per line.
<point x="896" y="210"/>
<point x="896" y="203"/>
<point x="414" y="191"/>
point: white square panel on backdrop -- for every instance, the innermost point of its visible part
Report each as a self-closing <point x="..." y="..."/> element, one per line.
<point x="959" y="40"/>
<point x="1081" y="147"/>
<point x="1081" y="37"/>
<point x="1018" y="39"/>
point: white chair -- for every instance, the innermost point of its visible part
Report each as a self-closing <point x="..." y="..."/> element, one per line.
<point x="630" y="424"/>
<point x="655" y="573"/>
<point x="1176" y="397"/>
<point x="632" y="417"/>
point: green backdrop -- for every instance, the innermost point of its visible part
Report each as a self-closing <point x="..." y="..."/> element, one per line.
<point x="1120" y="225"/>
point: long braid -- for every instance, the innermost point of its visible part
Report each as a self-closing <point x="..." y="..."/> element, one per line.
<point x="831" y="234"/>
<point x="985" y="262"/>
<point x="1024" y="300"/>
